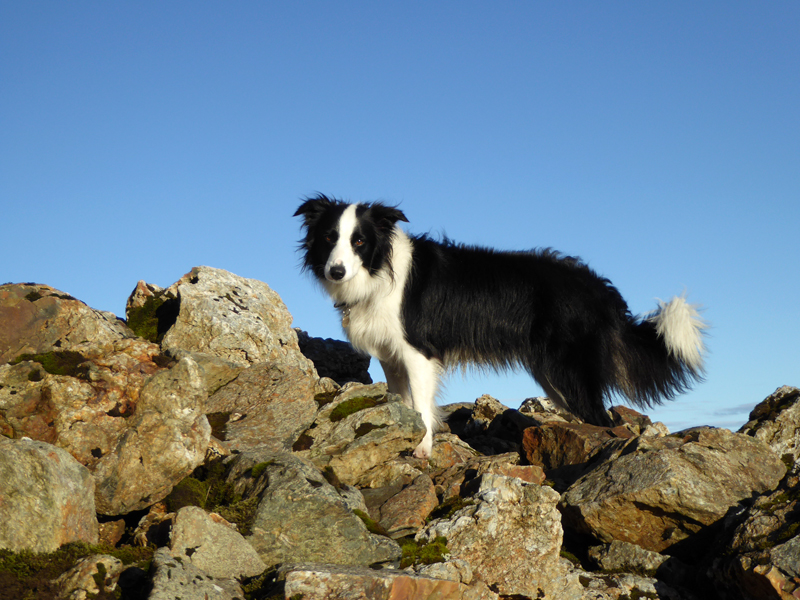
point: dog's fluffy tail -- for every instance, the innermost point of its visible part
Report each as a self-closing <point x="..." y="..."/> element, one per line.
<point x="662" y="354"/>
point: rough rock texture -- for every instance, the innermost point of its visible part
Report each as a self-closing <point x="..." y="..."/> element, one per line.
<point x="213" y="545"/>
<point x="658" y="492"/>
<point x="242" y="321"/>
<point x="175" y="578"/>
<point x="362" y="427"/>
<point x="511" y="537"/>
<point x="302" y="518"/>
<point x="402" y="507"/>
<point x="462" y="478"/>
<point x="268" y="404"/>
<point x="776" y="422"/>
<point x="564" y="449"/>
<point x="164" y="442"/>
<point x="325" y="582"/>
<point x="89" y="577"/>
<point x="46" y="497"/>
<point x="37" y="319"/>
<point x="335" y="359"/>
<point x="761" y="558"/>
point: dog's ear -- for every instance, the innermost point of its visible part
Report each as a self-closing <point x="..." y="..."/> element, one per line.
<point x="313" y="208"/>
<point x="385" y="216"/>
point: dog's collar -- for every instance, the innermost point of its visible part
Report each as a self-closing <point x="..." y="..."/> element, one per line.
<point x="345" y="308"/>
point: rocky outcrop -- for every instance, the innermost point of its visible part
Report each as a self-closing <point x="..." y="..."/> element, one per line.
<point x="658" y="492"/>
<point x="203" y="435"/>
<point x="46" y="497"/>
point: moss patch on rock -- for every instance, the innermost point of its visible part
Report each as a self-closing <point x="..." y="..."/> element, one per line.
<point x="415" y="553"/>
<point x="354" y="405"/>
<point x="61" y="362"/>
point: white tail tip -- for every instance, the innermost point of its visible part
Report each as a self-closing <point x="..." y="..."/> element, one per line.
<point x="679" y="324"/>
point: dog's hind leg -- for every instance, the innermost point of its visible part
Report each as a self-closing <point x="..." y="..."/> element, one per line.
<point x="423" y="377"/>
<point x="397" y="380"/>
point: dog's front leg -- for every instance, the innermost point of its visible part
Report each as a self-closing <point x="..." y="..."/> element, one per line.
<point x="397" y="380"/>
<point x="423" y="377"/>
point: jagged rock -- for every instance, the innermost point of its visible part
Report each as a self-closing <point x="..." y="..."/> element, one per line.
<point x="657" y="492"/>
<point x="38" y="318"/>
<point x="624" y="557"/>
<point x="460" y="478"/>
<point x="633" y="420"/>
<point x="91" y="576"/>
<point x="46" y="497"/>
<point x="335" y="359"/>
<point x="175" y="577"/>
<point x="449" y="450"/>
<point x="325" y="582"/>
<point x="154" y="527"/>
<point x="401" y="509"/>
<point x="761" y="558"/>
<point x="511" y="537"/>
<point x="776" y="422"/>
<point x="564" y="449"/>
<point x="268" y="404"/>
<point x="301" y="517"/>
<point x="165" y="440"/>
<point x="242" y="321"/>
<point x="79" y="400"/>
<point x="362" y="427"/>
<point x="545" y="410"/>
<point x="213" y="545"/>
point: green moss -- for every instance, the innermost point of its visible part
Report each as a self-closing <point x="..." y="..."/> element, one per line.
<point x="143" y="320"/>
<point x="242" y="514"/>
<point x="570" y="557"/>
<point x="352" y="406"/>
<point x="258" y="470"/>
<point x="415" y="553"/>
<point x="188" y="492"/>
<point x="372" y="525"/>
<point x="29" y="575"/>
<point x="62" y="362"/>
<point x="449" y="507"/>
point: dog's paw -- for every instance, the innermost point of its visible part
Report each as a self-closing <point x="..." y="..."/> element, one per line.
<point x="424" y="448"/>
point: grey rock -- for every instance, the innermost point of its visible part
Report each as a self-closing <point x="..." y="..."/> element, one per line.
<point x="165" y="440"/>
<point x="46" y="497"/>
<point x="776" y="422"/>
<point x="242" y="321"/>
<point x="213" y="545"/>
<point x="361" y="428"/>
<point x="326" y="582"/>
<point x="268" y="404"/>
<point x="657" y="492"/>
<point x="175" y="577"/>
<point x="301" y="517"/>
<point x="511" y="537"/>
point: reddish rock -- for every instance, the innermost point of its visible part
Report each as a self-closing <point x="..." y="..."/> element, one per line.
<point x="404" y="512"/>
<point x="556" y="444"/>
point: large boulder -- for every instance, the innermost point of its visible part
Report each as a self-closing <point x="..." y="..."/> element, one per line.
<point x="166" y="439"/>
<point x="361" y="427"/>
<point x="659" y="491"/>
<point x="38" y="318"/>
<point x="174" y="578"/>
<point x="268" y="404"/>
<point x="213" y="545"/>
<point x="510" y="534"/>
<point x="242" y="321"/>
<point x="46" y="497"/>
<point x="301" y="517"/>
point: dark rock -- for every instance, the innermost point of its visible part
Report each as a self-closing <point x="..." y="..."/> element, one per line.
<point x="335" y="359"/>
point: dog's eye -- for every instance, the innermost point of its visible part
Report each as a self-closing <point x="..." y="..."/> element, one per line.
<point x="359" y="241"/>
<point x="331" y="238"/>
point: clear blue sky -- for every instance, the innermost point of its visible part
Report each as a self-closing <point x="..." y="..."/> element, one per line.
<point x="658" y="141"/>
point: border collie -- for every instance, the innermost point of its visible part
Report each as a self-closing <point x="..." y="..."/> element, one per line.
<point x="421" y="306"/>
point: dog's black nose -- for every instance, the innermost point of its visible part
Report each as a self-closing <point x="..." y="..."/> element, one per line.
<point x="337" y="272"/>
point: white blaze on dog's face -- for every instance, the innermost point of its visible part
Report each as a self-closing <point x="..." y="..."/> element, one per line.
<point x="343" y="262"/>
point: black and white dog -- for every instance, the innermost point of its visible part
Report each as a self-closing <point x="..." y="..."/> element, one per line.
<point x="420" y="306"/>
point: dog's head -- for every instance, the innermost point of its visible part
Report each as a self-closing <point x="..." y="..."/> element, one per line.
<point x="341" y="238"/>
